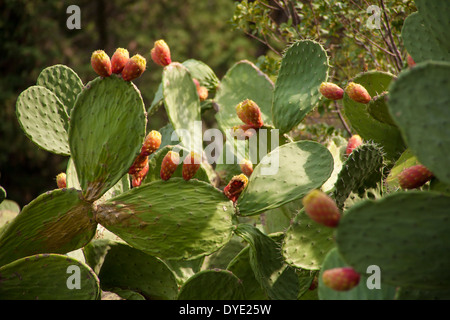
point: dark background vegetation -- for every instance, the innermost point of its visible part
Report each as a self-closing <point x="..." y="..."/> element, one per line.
<point x="33" y="36"/>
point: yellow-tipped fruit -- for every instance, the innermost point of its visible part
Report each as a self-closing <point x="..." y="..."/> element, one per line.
<point x="134" y="67"/>
<point x="101" y="63"/>
<point x="161" y="53"/>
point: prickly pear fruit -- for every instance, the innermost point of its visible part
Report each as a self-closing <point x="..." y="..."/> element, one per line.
<point x="235" y="187"/>
<point x="341" y="279"/>
<point x="191" y="164"/>
<point x="119" y="60"/>
<point x="353" y="143"/>
<point x="410" y="60"/>
<point x="202" y="93"/>
<point x="101" y="63"/>
<point x="246" y="167"/>
<point x="321" y="208"/>
<point x="139" y="176"/>
<point x="161" y="53"/>
<point x="134" y="67"/>
<point x="248" y="111"/>
<point x="139" y="163"/>
<point x="61" y="180"/>
<point x="414" y="177"/>
<point x="169" y="164"/>
<point x="357" y="93"/>
<point x="151" y="143"/>
<point x="331" y="91"/>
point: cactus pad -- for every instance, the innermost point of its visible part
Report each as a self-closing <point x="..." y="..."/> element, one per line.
<point x="63" y="82"/>
<point x="55" y="222"/>
<point x="423" y="90"/>
<point x="243" y="81"/>
<point x="361" y="171"/>
<point x="199" y="287"/>
<point x="360" y="292"/>
<point x="172" y="219"/>
<point x="278" y="280"/>
<point x="138" y="271"/>
<point x="48" y="277"/>
<point x="44" y="119"/>
<point x="303" y="68"/>
<point x="406" y="234"/>
<point x="302" y="166"/>
<point x="306" y="243"/>
<point x="107" y="130"/>
<point x="368" y="128"/>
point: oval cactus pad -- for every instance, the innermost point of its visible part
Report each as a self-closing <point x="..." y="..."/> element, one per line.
<point x="106" y="133"/>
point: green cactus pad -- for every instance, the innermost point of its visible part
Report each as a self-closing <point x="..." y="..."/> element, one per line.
<point x="182" y="102"/>
<point x="9" y="205"/>
<point x="48" y="277"/>
<point x="63" y="82"/>
<point x="241" y="267"/>
<point x="360" y="292"/>
<point x="378" y="109"/>
<point x="172" y="219"/>
<point x="212" y="285"/>
<point x="279" y="280"/>
<point x="306" y="243"/>
<point x="243" y="81"/>
<point x="121" y="266"/>
<point x="72" y="182"/>
<point x="303" y="68"/>
<point x="420" y="42"/>
<point x="221" y="258"/>
<point x="361" y="171"/>
<point x="302" y="166"/>
<point x="279" y="219"/>
<point x="423" y="90"/>
<point x="406" y="234"/>
<point x="203" y="73"/>
<point x="367" y="127"/>
<point x="44" y="119"/>
<point x="156" y="161"/>
<point x="107" y="130"/>
<point x="55" y="222"/>
<point x="184" y="269"/>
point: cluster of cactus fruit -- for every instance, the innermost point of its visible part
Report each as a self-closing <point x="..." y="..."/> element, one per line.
<point x="310" y="230"/>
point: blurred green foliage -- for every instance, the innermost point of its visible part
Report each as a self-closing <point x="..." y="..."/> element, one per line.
<point x="34" y="35"/>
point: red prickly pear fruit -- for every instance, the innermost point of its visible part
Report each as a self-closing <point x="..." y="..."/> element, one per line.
<point x="248" y="111"/>
<point x="61" y="181"/>
<point x="357" y="93"/>
<point x="321" y="208"/>
<point x="139" y="163"/>
<point x="119" y="60"/>
<point x="161" y="53"/>
<point x="414" y="177"/>
<point x="101" y="63"/>
<point x="353" y="143"/>
<point x="134" y="67"/>
<point x="331" y="91"/>
<point x="235" y="187"/>
<point x="246" y="167"/>
<point x="410" y="60"/>
<point x="202" y="93"/>
<point x="139" y="176"/>
<point x="341" y="279"/>
<point x="169" y="165"/>
<point x="191" y="164"/>
<point x="151" y="143"/>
